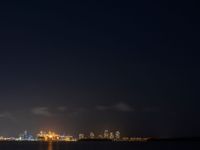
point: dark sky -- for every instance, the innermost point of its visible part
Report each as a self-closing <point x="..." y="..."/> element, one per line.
<point x="83" y="66"/>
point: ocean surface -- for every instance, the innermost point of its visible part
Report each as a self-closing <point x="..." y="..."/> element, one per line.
<point x="181" y="145"/>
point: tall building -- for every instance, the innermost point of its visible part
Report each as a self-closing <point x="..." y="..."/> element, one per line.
<point x="106" y="134"/>
<point x="92" y="135"/>
<point x="117" y="135"/>
<point x="111" y="135"/>
<point x="25" y="136"/>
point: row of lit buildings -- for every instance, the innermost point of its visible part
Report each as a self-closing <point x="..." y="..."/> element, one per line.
<point x="105" y="135"/>
<point x="52" y="136"/>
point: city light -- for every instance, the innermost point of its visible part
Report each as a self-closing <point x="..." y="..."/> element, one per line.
<point x="51" y="136"/>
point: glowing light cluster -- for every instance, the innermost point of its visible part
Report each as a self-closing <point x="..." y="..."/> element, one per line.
<point x="49" y="136"/>
<point x="52" y="136"/>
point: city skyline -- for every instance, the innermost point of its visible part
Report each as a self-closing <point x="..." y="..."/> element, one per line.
<point x="50" y="136"/>
<point x="103" y="134"/>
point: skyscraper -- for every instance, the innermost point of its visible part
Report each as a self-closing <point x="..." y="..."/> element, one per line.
<point x="92" y="135"/>
<point x="106" y="134"/>
<point x="117" y="135"/>
<point x="111" y="135"/>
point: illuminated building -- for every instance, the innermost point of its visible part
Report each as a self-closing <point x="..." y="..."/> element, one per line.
<point x="100" y="136"/>
<point x="138" y="139"/>
<point x="2" y="138"/>
<point x="125" y="138"/>
<point x="25" y="137"/>
<point x="81" y="136"/>
<point x="50" y="136"/>
<point x="111" y="135"/>
<point x="106" y="134"/>
<point x="91" y="135"/>
<point x="117" y="135"/>
<point x="67" y="138"/>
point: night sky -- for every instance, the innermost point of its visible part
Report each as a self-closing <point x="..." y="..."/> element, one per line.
<point x="80" y="66"/>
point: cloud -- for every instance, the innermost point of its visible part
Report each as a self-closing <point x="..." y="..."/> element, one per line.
<point x="120" y="106"/>
<point x="5" y="115"/>
<point x="41" y="111"/>
<point x="8" y="116"/>
<point x="57" y="111"/>
<point x="62" y="108"/>
<point x="123" y="107"/>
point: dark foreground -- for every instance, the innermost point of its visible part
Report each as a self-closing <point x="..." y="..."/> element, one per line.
<point x="154" y="145"/>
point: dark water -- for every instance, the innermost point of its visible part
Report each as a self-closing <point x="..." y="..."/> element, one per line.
<point x="100" y="146"/>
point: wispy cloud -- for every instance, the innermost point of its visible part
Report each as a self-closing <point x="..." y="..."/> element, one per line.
<point x="5" y="115"/>
<point x="123" y="107"/>
<point x="120" y="106"/>
<point x="61" y="108"/>
<point x="42" y="111"/>
<point x="8" y="116"/>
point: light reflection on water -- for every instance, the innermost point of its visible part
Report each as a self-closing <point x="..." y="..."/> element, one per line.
<point x="50" y="147"/>
<point x="46" y="146"/>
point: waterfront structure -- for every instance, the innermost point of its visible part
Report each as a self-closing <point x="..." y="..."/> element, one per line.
<point x="125" y="139"/>
<point x="25" y="136"/>
<point x="117" y="135"/>
<point x="49" y="136"/>
<point x="106" y="134"/>
<point x="81" y="136"/>
<point x="111" y="136"/>
<point x="52" y="136"/>
<point x="67" y="138"/>
<point x="92" y="135"/>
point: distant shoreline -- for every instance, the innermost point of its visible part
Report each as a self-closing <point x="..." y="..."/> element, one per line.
<point x="108" y="140"/>
<point x="176" y="139"/>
